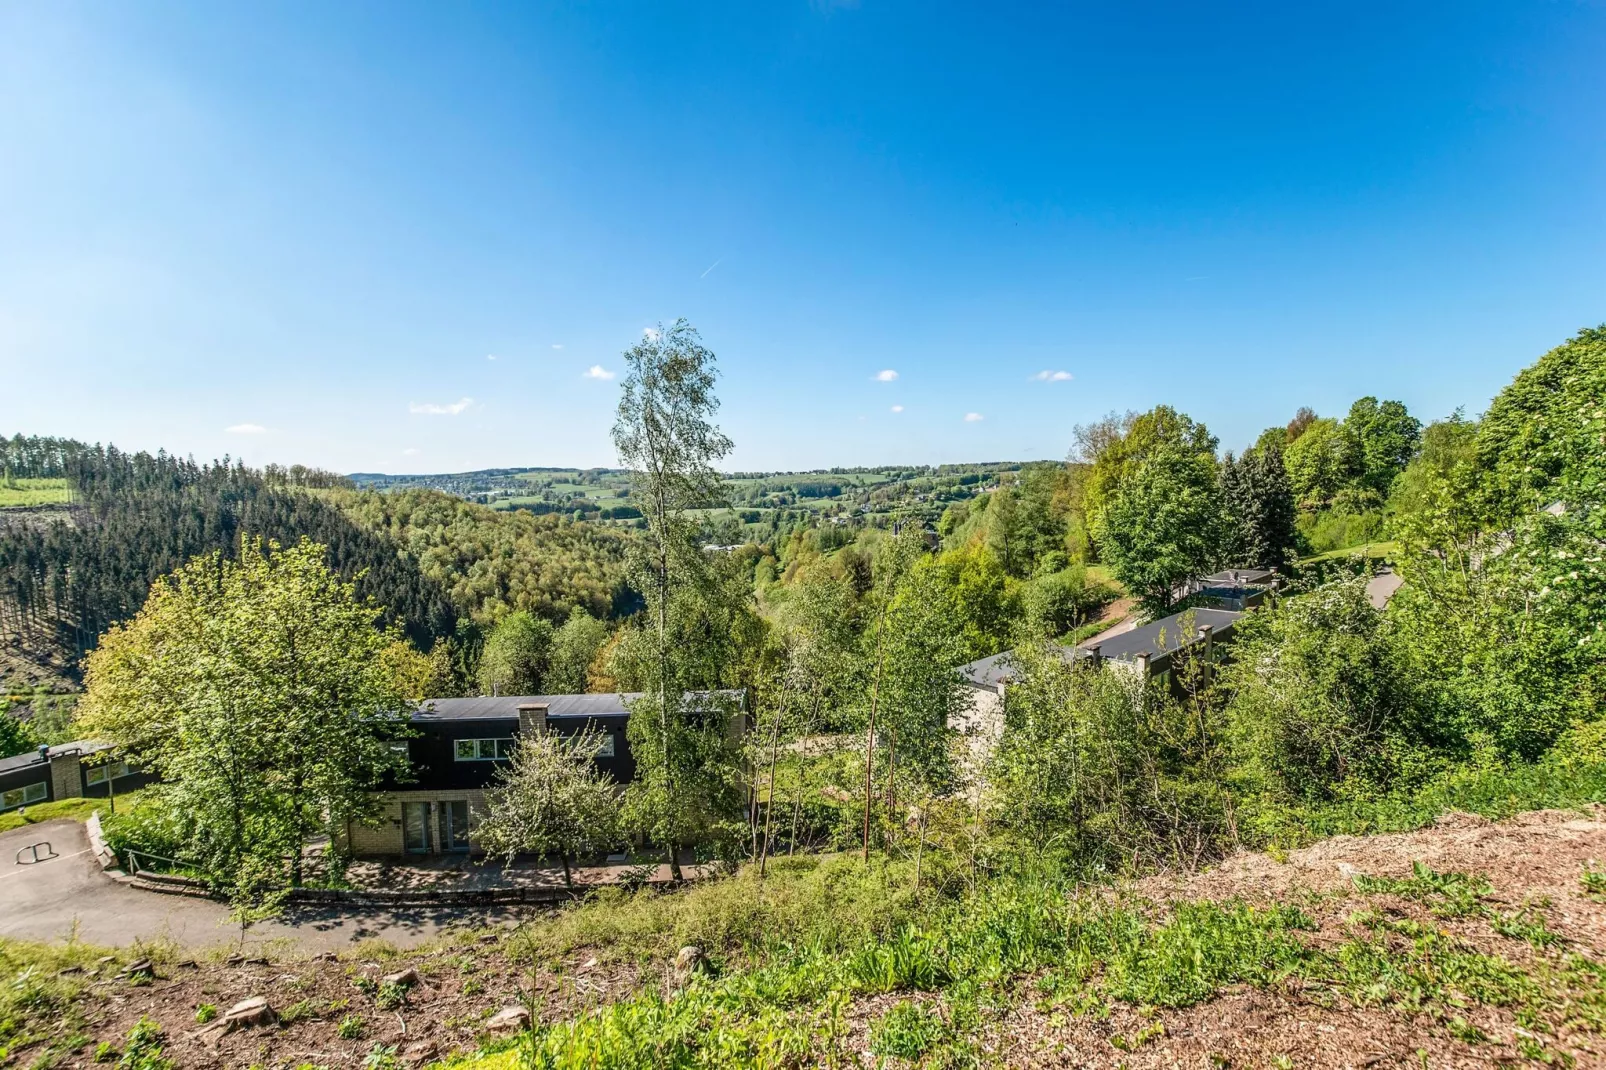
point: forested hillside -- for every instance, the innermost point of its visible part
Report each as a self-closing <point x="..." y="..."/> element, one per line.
<point x="492" y="562"/>
<point x="65" y="578"/>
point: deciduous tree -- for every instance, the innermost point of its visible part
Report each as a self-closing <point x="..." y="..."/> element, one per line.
<point x="259" y="689"/>
<point x="551" y="800"/>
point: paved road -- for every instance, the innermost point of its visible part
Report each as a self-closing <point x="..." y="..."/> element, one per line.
<point x="46" y="900"/>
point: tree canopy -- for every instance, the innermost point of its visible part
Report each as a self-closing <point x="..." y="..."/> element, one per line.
<point x="257" y="688"/>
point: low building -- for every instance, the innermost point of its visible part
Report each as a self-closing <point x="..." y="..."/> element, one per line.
<point x="65" y="771"/>
<point x="457" y="747"/>
<point x="1151" y="649"/>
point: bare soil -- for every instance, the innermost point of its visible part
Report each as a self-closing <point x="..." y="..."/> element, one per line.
<point x="1534" y="861"/>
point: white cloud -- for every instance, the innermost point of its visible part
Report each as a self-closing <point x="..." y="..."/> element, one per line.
<point x="897" y="408"/>
<point x="650" y="333"/>
<point x="246" y="429"/>
<point x="557" y="345"/>
<point x="490" y="356"/>
<point x="411" y="451"/>
<point x="1046" y="376"/>
<point x="597" y="371"/>
<point x="456" y="408"/>
<point x="886" y="376"/>
<point x="973" y="417"/>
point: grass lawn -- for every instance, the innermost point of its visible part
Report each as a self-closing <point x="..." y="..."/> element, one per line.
<point x="1371" y="551"/>
<point x="23" y="493"/>
<point x="76" y="809"/>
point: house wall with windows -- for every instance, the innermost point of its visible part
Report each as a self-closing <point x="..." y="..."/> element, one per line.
<point x="65" y="771"/>
<point x="455" y="751"/>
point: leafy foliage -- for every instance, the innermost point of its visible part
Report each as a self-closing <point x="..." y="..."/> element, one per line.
<point x="1164" y="524"/>
<point x="492" y="563"/>
<point x="257" y="689"/>
<point x="551" y="800"/>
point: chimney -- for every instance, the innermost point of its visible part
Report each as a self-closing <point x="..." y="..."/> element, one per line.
<point x="532" y="718"/>
<point x="1143" y="665"/>
<point x="1094" y="658"/>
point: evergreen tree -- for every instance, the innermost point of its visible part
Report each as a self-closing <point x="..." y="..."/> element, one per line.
<point x="1259" y="508"/>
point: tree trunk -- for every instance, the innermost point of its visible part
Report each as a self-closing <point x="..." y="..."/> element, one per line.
<point x="869" y="738"/>
<point x="568" y="874"/>
<point x="769" y="808"/>
<point x="674" y="863"/>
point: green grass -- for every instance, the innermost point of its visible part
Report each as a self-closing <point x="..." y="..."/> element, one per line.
<point x="77" y="809"/>
<point x="960" y="962"/>
<point x="25" y="493"/>
<point x="1370" y="551"/>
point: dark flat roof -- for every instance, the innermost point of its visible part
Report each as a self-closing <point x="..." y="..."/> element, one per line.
<point x="1161" y="637"/>
<point x="80" y="747"/>
<point x="506" y="707"/>
<point x="1167" y="634"/>
<point x="21" y="761"/>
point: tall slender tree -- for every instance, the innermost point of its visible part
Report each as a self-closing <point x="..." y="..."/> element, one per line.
<point x="665" y="435"/>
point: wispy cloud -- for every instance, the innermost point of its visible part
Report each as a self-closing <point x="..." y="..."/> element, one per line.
<point x="1046" y="376"/>
<point x="650" y="333"/>
<point x="897" y="408"/>
<point x="886" y="375"/>
<point x="411" y="451"/>
<point x="557" y="345"/>
<point x="597" y="371"/>
<point x="974" y="417"/>
<point x="490" y="356"/>
<point x="425" y="408"/>
<point x="246" y="429"/>
<point x="711" y="267"/>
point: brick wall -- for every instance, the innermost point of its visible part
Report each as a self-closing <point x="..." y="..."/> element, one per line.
<point x="66" y="776"/>
<point x="385" y="838"/>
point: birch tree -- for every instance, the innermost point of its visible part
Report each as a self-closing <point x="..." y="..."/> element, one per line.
<point x="665" y="435"/>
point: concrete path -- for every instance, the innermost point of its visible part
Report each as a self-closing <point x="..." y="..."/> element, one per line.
<point x="48" y="900"/>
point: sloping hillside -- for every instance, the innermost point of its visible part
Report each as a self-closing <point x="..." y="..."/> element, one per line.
<point x="1467" y="943"/>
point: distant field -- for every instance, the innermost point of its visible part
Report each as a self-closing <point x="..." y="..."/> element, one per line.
<point x="27" y="493"/>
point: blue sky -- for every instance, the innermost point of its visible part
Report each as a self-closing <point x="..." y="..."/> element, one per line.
<point x="315" y="224"/>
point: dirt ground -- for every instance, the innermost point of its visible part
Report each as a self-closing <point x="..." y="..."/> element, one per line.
<point x="1532" y="861"/>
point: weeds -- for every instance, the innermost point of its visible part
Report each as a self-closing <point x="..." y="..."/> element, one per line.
<point x="206" y="1012"/>
<point x="1593" y="881"/>
<point x="144" y="1048"/>
<point x="908" y="1031"/>
<point x="1447" y="895"/>
<point x="350" y="1027"/>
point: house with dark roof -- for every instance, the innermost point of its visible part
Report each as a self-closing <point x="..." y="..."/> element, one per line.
<point x="1150" y="650"/>
<point x="459" y="744"/>
<point x="66" y="771"/>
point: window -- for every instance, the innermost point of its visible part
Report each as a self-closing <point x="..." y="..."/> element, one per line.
<point x="604" y="746"/>
<point x="99" y="774"/>
<point x="23" y="796"/>
<point x="484" y="750"/>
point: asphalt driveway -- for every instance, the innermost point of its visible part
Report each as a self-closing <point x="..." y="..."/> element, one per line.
<point x="68" y="894"/>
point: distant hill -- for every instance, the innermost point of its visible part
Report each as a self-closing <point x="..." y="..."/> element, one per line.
<point x="752" y="498"/>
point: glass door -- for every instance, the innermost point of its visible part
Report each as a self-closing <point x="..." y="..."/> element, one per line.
<point x="456" y="814"/>
<point x="415" y="827"/>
